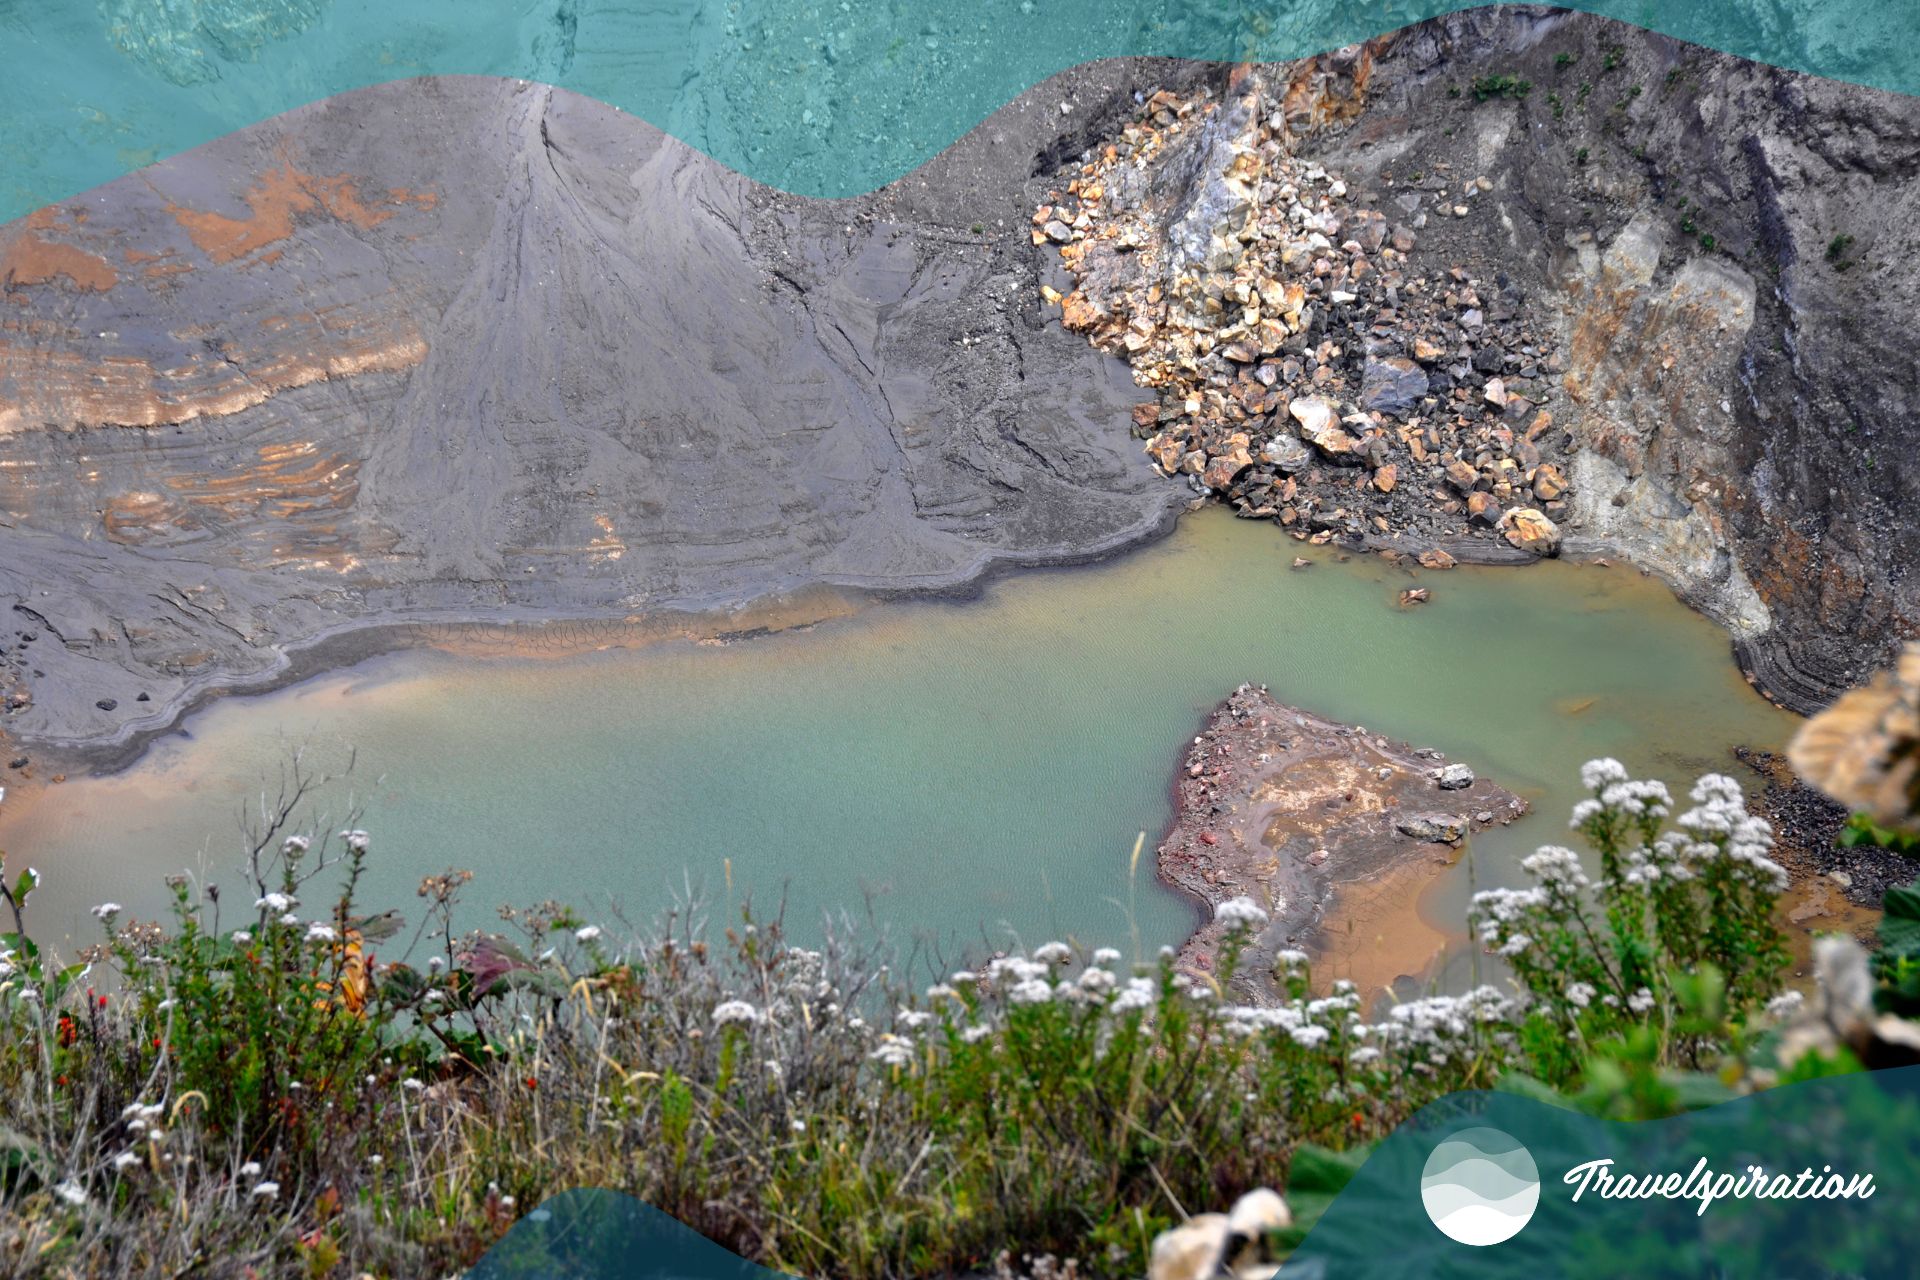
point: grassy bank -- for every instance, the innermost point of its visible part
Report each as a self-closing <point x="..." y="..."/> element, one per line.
<point x="279" y="1085"/>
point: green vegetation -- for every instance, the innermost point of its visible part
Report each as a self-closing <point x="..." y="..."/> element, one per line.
<point x="1500" y="86"/>
<point x="1563" y="59"/>
<point x="1861" y="829"/>
<point x="267" y="1092"/>
<point x="1837" y="249"/>
<point x="1897" y="963"/>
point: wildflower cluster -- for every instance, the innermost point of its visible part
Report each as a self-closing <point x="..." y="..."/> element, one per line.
<point x="1672" y="900"/>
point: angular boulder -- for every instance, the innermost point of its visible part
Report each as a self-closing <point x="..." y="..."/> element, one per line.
<point x="1392" y="386"/>
<point x="1531" y="531"/>
<point x="1287" y="453"/>
<point x="1319" y="426"/>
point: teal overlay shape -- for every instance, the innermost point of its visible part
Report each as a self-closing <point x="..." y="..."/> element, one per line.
<point x="820" y="97"/>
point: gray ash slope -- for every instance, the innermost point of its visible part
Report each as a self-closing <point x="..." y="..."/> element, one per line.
<point x="475" y="349"/>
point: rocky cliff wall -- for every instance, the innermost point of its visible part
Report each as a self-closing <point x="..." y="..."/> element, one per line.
<point x="1729" y="250"/>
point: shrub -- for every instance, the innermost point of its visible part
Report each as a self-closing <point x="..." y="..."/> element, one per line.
<point x="1500" y="86"/>
<point x="1674" y="907"/>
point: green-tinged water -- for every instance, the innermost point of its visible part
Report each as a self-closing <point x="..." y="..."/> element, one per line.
<point x="976" y="768"/>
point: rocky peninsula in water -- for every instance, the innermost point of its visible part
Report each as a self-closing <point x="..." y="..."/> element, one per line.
<point x="1312" y="819"/>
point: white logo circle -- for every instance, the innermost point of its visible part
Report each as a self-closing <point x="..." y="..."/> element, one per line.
<point x="1480" y="1186"/>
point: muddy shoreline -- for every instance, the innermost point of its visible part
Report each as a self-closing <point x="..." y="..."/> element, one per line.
<point x="357" y="640"/>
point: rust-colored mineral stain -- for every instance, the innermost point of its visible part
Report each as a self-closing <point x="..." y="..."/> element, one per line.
<point x="32" y="259"/>
<point x="275" y="200"/>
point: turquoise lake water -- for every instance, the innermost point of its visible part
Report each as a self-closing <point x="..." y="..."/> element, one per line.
<point x="822" y="99"/>
<point x="976" y="770"/>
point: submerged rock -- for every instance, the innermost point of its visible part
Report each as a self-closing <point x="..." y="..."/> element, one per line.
<point x="1438" y="828"/>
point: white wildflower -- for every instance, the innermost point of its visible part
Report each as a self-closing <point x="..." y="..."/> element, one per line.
<point x="942" y="991"/>
<point x="125" y="1161"/>
<point x="1138" y="994"/>
<point x="1786" y="1004"/>
<point x="586" y="933"/>
<point x="294" y="846"/>
<point x="356" y="840"/>
<point x="1241" y="911"/>
<point x="798" y="1126"/>
<point x="976" y="1033"/>
<point x="242" y="937"/>
<point x="276" y="901"/>
<point x="1096" y="980"/>
<point x="1595" y="774"/>
<point x="893" y="1050"/>
<point x="731" y="1011"/>
<point x="1031" y="991"/>
<point x="106" y="910"/>
<point x="1640" y="1001"/>
<point x="1018" y="968"/>
<point x="265" y="1190"/>
<point x="1557" y="867"/>
<point x="1581" y="994"/>
<point x="1052" y="953"/>
<point x="1308" y="1036"/>
<point x="1106" y="955"/>
<point x="70" y="1191"/>
<point x="318" y="932"/>
<point x="251" y="1169"/>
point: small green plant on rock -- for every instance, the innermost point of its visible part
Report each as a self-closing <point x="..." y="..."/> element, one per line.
<point x="1500" y="86"/>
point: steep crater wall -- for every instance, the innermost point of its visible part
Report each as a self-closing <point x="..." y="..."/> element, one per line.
<point x="1729" y="251"/>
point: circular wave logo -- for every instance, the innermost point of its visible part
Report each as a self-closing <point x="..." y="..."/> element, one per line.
<point x="1480" y="1186"/>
